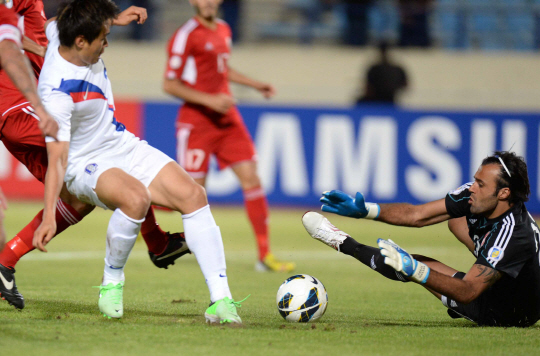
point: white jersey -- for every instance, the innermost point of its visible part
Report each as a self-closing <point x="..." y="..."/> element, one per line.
<point x="81" y="100"/>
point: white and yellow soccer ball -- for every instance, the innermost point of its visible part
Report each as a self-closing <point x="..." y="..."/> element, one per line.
<point x="301" y="299"/>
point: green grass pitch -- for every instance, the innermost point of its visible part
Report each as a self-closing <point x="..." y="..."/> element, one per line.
<point x="164" y="309"/>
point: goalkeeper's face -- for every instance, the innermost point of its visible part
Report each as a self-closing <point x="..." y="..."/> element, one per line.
<point x="484" y="197"/>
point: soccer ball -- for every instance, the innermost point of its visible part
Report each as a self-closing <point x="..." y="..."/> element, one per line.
<point x="301" y="298"/>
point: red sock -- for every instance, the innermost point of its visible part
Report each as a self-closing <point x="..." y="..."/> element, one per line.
<point x="257" y="210"/>
<point x="155" y="238"/>
<point x="21" y="244"/>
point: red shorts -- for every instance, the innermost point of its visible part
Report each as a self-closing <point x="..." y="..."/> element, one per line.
<point x="21" y="136"/>
<point x="199" y="136"/>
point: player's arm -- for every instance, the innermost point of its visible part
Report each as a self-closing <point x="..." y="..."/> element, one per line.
<point x="220" y="103"/>
<point x="459" y="228"/>
<point x="465" y="290"/>
<point x="476" y="281"/>
<point x="19" y="71"/>
<point x="401" y="214"/>
<point x="132" y="13"/>
<point x="33" y="47"/>
<point x="57" y="154"/>
<point x="267" y="90"/>
<point x="404" y="214"/>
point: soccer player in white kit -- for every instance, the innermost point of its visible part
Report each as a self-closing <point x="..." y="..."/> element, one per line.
<point x="104" y="164"/>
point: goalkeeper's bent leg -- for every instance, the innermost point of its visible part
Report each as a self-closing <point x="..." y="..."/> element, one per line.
<point x="371" y="257"/>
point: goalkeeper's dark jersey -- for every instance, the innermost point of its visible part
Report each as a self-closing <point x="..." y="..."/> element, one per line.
<point x="509" y="244"/>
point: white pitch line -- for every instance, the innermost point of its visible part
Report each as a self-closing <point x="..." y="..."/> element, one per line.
<point x="234" y="255"/>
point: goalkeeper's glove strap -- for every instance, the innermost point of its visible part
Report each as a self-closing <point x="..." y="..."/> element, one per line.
<point x="421" y="273"/>
<point x="373" y="211"/>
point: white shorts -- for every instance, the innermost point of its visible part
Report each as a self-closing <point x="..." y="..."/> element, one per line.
<point x="140" y="160"/>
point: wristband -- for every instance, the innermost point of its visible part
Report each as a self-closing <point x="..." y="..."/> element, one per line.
<point x="10" y="33"/>
<point x="373" y="211"/>
<point x="421" y="273"/>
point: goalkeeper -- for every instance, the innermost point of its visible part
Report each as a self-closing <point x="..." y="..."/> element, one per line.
<point x="502" y="288"/>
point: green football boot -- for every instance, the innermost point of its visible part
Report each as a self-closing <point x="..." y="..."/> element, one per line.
<point x="111" y="303"/>
<point x="224" y="311"/>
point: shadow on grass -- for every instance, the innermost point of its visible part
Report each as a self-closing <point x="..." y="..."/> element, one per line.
<point x="451" y="323"/>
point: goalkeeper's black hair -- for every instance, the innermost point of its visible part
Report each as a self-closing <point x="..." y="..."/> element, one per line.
<point x="517" y="178"/>
<point x="83" y="18"/>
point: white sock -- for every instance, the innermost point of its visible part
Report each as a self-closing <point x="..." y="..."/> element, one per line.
<point x="121" y="235"/>
<point x="204" y="240"/>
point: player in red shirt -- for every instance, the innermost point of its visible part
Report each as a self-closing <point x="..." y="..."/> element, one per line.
<point x="209" y="123"/>
<point x="16" y="66"/>
<point x="16" y="70"/>
<point x="20" y="134"/>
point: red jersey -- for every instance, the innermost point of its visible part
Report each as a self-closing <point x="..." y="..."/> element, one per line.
<point x="198" y="56"/>
<point x="33" y="21"/>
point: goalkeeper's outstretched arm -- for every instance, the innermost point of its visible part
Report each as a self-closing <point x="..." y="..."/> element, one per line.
<point x="401" y="214"/>
<point x="404" y="214"/>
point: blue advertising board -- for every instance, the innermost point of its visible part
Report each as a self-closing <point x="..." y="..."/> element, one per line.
<point x="389" y="154"/>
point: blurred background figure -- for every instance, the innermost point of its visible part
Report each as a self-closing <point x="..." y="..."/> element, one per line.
<point x="414" y="26"/>
<point x="384" y="80"/>
<point x="356" y="28"/>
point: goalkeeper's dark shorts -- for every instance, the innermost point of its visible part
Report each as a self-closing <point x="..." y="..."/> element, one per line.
<point x="488" y="310"/>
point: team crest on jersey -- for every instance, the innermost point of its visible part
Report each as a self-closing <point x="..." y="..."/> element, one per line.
<point x="495" y="253"/>
<point x="461" y="189"/>
<point x="8" y="3"/>
<point x="473" y="221"/>
<point x="209" y="46"/>
<point x="91" y="168"/>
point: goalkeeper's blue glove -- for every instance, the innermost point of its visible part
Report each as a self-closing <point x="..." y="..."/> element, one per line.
<point x="403" y="262"/>
<point x="337" y="202"/>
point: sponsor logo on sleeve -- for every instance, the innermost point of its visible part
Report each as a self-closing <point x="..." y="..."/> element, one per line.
<point x="495" y="253"/>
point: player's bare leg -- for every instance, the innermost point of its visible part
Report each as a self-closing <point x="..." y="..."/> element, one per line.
<point x="175" y="189"/>
<point x="437" y="266"/>
<point x="257" y="211"/>
<point x="130" y="200"/>
<point x="443" y="269"/>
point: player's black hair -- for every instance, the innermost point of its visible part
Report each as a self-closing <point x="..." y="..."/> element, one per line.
<point x="83" y="18"/>
<point x="517" y="178"/>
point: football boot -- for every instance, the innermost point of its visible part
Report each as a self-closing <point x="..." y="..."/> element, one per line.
<point x="176" y="248"/>
<point x="8" y="288"/>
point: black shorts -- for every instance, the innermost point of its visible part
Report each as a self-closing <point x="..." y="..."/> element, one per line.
<point x="487" y="310"/>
